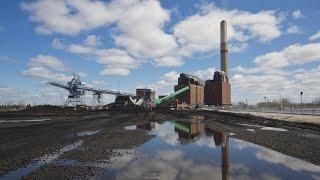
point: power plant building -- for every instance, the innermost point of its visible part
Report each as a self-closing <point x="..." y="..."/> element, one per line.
<point x="146" y="94"/>
<point x="195" y="95"/>
<point x="218" y="90"/>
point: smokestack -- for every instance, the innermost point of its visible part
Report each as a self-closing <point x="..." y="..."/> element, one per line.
<point x="223" y="47"/>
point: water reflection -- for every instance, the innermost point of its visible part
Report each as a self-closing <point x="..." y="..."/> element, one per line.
<point x="189" y="149"/>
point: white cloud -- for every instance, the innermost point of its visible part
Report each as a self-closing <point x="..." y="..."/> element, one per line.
<point x="57" y="43"/>
<point x="68" y="17"/>
<point x="116" y="62"/>
<point x="168" y="61"/>
<point x="293" y="29"/>
<point x="140" y="25"/>
<point x="47" y="61"/>
<point x="315" y="36"/>
<point x="205" y="74"/>
<point x="42" y="72"/>
<point x="297" y="14"/>
<point x="7" y="91"/>
<point x="139" y="28"/>
<point x="270" y="78"/>
<point x="93" y="41"/>
<point x="201" y="32"/>
<point x="80" y="49"/>
<point x="295" y="54"/>
<point x="165" y="84"/>
<point x="115" y="72"/>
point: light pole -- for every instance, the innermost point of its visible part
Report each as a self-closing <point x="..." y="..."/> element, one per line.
<point x="265" y="103"/>
<point x="301" y="93"/>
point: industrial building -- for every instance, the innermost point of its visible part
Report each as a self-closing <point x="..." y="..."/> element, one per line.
<point x="147" y="95"/>
<point x="218" y="90"/>
<point x="195" y="95"/>
<point x="211" y="92"/>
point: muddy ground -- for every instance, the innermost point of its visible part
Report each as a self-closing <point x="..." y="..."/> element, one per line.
<point x="23" y="143"/>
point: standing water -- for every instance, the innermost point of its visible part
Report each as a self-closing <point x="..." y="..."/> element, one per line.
<point x="190" y="150"/>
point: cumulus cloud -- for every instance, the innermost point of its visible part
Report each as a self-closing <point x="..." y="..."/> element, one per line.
<point x="7" y="91"/>
<point x="168" y="61"/>
<point x="42" y="72"/>
<point x="293" y="29"/>
<point x="93" y="40"/>
<point x="315" y="36"/>
<point x="139" y="27"/>
<point x="68" y="17"/>
<point x="295" y="54"/>
<point x="168" y="80"/>
<point x="47" y="61"/>
<point x="297" y="14"/>
<point x="57" y="43"/>
<point x="201" y="32"/>
<point x="80" y="49"/>
<point x="139" y="23"/>
<point x="116" y="62"/>
<point x="205" y="74"/>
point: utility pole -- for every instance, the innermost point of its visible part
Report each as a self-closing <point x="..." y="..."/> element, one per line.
<point x="301" y="93"/>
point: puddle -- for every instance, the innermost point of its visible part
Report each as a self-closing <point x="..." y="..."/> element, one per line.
<point x="251" y="130"/>
<point x="87" y="133"/>
<point x="44" y="160"/>
<point x="131" y="127"/>
<point x="273" y="129"/>
<point x="23" y="120"/>
<point x="182" y="150"/>
<point x="250" y="125"/>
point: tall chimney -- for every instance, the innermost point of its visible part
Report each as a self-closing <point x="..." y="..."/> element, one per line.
<point x="223" y="47"/>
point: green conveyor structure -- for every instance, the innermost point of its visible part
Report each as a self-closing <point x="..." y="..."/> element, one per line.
<point x="172" y="95"/>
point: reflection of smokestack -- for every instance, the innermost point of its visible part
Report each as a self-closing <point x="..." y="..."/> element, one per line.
<point x="223" y="47"/>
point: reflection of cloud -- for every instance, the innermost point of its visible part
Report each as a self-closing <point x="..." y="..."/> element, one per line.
<point x="166" y="132"/>
<point x="290" y="162"/>
<point x="269" y="177"/>
<point x="169" y="155"/>
<point x="275" y="157"/>
<point x="240" y="144"/>
<point x="168" y="165"/>
<point x="315" y="177"/>
<point x="206" y="141"/>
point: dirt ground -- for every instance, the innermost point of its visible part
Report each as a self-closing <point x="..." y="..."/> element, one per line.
<point x="23" y="143"/>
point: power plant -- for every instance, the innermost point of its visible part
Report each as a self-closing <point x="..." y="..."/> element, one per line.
<point x="215" y="92"/>
<point x="190" y="92"/>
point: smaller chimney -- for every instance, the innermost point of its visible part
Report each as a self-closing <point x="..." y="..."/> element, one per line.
<point x="223" y="47"/>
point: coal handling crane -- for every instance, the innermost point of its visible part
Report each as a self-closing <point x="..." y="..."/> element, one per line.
<point x="77" y="89"/>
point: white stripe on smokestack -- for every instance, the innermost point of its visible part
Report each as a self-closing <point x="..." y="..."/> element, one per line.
<point x="223" y="47"/>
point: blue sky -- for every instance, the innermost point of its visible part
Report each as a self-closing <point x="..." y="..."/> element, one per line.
<point x="274" y="46"/>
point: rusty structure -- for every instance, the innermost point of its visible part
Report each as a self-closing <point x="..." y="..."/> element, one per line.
<point x="147" y="95"/>
<point x="195" y="95"/>
<point x="218" y="90"/>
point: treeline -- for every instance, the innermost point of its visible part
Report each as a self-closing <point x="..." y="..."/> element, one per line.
<point x="18" y="107"/>
<point x="283" y="103"/>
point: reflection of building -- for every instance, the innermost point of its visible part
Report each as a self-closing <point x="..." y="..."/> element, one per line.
<point x="195" y="94"/>
<point x="189" y="131"/>
<point x="221" y="139"/>
<point x="147" y="126"/>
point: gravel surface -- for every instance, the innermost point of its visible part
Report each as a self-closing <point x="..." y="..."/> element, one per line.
<point x="23" y="143"/>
